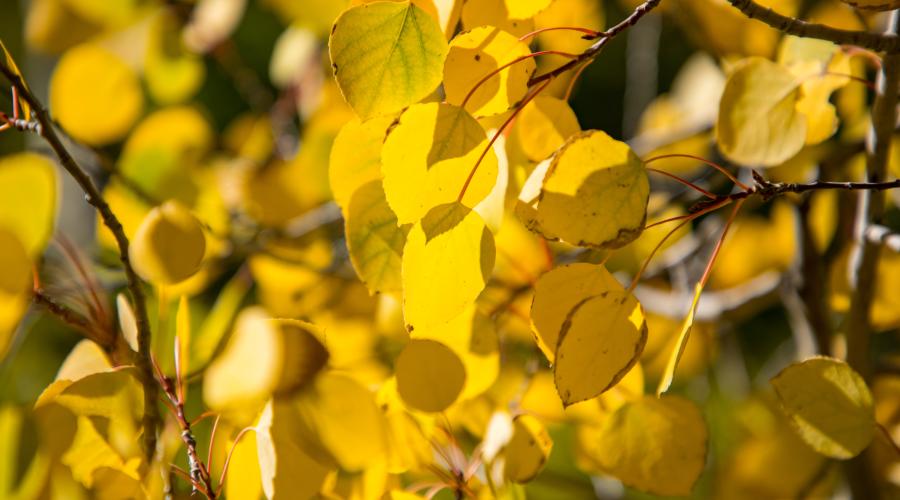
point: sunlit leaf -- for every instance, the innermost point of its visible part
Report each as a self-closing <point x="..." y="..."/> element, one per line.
<point x="386" y="56"/>
<point x="477" y="13"/>
<point x="338" y="422"/>
<point x="544" y="125"/>
<point x="594" y="193"/>
<point x="356" y="157"/>
<point x="263" y="357"/>
<point x="286" y="470"/>
<point x="476" y="54"/>
<point x="94" y="95"/>
<point x="28" y="199"/>
<point x="169" y="245"/>
<point x="447" y="261"/>
<point x="601" y="339"/>
<point x="559" y="291"/>
<point x="829" y="404"/>
<point x="428" y="157"/>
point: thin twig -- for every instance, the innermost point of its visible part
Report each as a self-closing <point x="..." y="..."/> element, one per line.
<point x="887" y="42"/>
<point x="151" y="417"/>
<point x="591" y="52"/>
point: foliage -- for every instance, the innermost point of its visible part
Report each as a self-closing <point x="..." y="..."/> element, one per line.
<point x="366" y="249"/>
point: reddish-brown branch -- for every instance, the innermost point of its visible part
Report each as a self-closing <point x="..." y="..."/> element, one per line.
<point x="591" y="34"/>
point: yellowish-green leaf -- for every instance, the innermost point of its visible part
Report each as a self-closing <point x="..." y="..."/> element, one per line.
<point x="429" y="155"/>
<point x="169" y="245"/>
<point x="338" y="422"/>
<point x="374" y="239"/>
<point x="262" y="358"/>
<point x="594" y="194"/>
<point x="544" y="125"/>
<point x="173" y="73"/>
<point x="829" y="404"/>
<point x="286" y="470"/>
<point x="528" y="450"/>
<point x="386" y="56"/>
<point x="447" y="260"/>
<point x="655" y="445"/>
<point x="243" y="479"/>
<point x="183" y="336"/>
<point x="758" y="123"/>
<point x="430" y="376"/>
<point x="556" y="294"/>
<point x="600" y="340"/>
<point x="356" y="157"/>
<point x="478" y="53"/>
<point x="683" y="335"/>
<point x="94" y="95"/>
<point x="28" y="199"/>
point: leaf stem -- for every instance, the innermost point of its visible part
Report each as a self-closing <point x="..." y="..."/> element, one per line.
<point x="517" y="60"/>
<point x="710" y="163"/>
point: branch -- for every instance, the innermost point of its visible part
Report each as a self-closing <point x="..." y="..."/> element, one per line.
<point x="93" y="196"/>
<point x="888" y="42"/>
<point x="591" y="52"/>
<point x="870" y="210"/>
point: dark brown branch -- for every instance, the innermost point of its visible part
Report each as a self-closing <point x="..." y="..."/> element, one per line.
<point x="887" y="42"/>
<point x="93" y="196"/>
<point x="591" y="52"/>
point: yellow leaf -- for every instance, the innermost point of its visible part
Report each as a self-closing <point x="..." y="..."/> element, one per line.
<point x="15" y="286"/>
<point x="263" y="357"/>
<point x="356" y="157"/>
<point x="477" y="13"/>
<point x="447" y="261"/>
<point x="94" y="95"/>
<point x="524" y="9"/>
<point x="338" y="422"/>
<point x="286" y="469"/>
<point x="173" y="73"/>
<point x="528" y="450"/>
<point x="583" y="13"/>
<point x="558" y="292"/>
<point x="829" y="404"/>
<point x="478" y="53"/>
<point x="662" y="334"/>
<point x="430" y="376"/>
<point x="429" y="155"/>
<point x="473" y="337"/>
<point x="127" y="321"/>
<point x="543" y="126"/>
<point x="758" y="123"/>
<point x="594" y="194"/>
<point x="386" y="56"/>
<point x="217" y="322"/>
<point x="600" y="340"/>
<point x="678" y="349"/>
<point x="183" y="335"/>
<point x="169" y="245"/>
<point x="374" y="239"/>
<point x="28" y="199"/>
<point x="407" y="435"/>
<point x="243" y="479"/>
<point x="655" y="445"/>
<point x="86" y="358"/>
